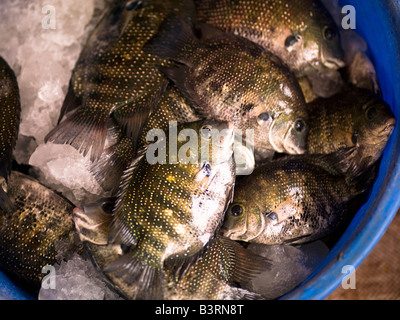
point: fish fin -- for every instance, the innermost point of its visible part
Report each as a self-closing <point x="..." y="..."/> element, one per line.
<point x="179" y="266"/>
<point x="82" y="131"/>
<point x="363" y="181"/>
<point x="5" y="166"/>
<point x="174" y="41"/>
<point x="119" y="233"/>
<point x="5" y="203"/>
<point x="345" y="162"/>
<point x="114" y="160"/>
<point x="71" y="102"/>
<point x="207" y="32"/>
<point x="93" y="224"/>
<point x="133" y="121"/>
<point x="243" y="294"/>
<point x="144" y="279"/>
<point x="127" y="174"/>
<point x="246" y="264"/>
<point x="178" y="75"/>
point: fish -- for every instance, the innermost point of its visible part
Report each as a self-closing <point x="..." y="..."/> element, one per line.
<point x="167" y="208"/>
<point x="114" y="77"/>
<point x="10" y="116"/>
<point x="38" y="233"/>
<point x="228" y="78"/>
<point x="204" y="280"/>
<point x="302" y="33"/>
<point x="355" y="118"/>
<point x="224" y="266"/>
<point x="296" y="199"/>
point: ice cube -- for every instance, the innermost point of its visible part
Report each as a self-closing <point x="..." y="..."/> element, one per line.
<point x="64" y="169"/>
<point x="43" y="58"/>
<point x="77" y="279"/>
<point x="290" y="265"/>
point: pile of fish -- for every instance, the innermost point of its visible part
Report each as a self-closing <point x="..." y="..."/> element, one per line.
<point x="168" y="98"/>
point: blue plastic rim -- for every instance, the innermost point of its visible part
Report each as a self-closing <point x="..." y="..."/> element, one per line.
<point x="378" y="21"/>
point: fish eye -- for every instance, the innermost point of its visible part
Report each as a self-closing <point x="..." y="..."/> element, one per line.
<point x="206" y="131"/>
<point x="107" y="207"/>
<point x="300" y="125"/>
<point x="236" y="210"/>
<point x="263" y="117"/>
<point x="371" y="113"/>
<point x="291" y="40"/>
<point x="354" y="138"/>
<point x="328" y="33"/>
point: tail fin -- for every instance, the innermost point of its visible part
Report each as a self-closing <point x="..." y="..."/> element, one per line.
<point x="71" y="102"/>
<point x="84" y="131"/>
<point x="174" y="41"/>
<point x="141" y="279"/>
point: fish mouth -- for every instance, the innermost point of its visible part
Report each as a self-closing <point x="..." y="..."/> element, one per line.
<point x="233" y="235"/>
<point x="288" y="145"/>
<point x="292" y="148"/>
<point x="244" y="234"/>
<point x="332" y="62"/>
<point x="390" y="124"/>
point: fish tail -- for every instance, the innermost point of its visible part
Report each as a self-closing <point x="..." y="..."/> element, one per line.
<point x="172" y="41"/>
<point x="144" y="278"/>
<point x="70" y="103"/>
<point x="84" y="131"/>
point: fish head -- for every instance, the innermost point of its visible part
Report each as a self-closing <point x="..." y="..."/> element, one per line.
<point x="320" y="41"/>
<point x="287" y="132"/>
<point x="281" y="120"/>
<point x="92" y="221"/>
<point x="243" y="222"/>
<point x="373" y="127"/>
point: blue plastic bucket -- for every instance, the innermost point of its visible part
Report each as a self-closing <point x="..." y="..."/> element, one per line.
<point x="378" y="21"/>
